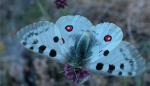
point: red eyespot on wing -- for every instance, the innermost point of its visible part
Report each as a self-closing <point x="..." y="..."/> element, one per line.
<point x="69" y="28"/>
<point x="107" y="38"/>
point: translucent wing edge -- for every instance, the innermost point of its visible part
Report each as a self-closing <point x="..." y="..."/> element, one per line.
<point x="35" y="26"/>
<point x="75" y="16"/>
<point x="140" y="62"/>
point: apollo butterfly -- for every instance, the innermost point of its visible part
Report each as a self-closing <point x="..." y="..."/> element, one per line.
<point x="82" y="47"/>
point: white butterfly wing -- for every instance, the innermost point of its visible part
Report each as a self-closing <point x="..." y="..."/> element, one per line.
<point x="107" y="37"/>
<point x="42" y="37"/>
<point x="72" y="26"/>
<point x="124" y="60"/>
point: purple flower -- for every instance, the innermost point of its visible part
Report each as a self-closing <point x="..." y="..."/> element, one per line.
<point x="77" y="75"/>
<point x="60" y="3"/>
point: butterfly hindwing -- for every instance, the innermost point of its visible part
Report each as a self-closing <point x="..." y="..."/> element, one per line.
<point x="124" y="60"/>
<point x="42" y="37"/>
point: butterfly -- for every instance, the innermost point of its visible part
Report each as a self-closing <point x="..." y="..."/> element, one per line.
<point x="84" y="48"/>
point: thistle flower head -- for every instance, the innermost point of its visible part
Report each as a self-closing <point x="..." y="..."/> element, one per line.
<point x="76" y="75"/>
<point x="60" y="3"/>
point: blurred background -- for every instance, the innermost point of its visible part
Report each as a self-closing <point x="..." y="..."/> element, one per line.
<point x="20" y="67"/>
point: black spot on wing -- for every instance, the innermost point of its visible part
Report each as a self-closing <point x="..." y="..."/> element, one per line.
<point x="99" y="66"/>
<point x="106" y="52"/>
<point x="111" y="68"/>
<point x="35" y="41"/>
<point x="30" y="34"/>
<point x="24" y="43"/>
<point x="122" y="66"/>
<point x="63" y="41"/>
<point x="130" y="73"/>
<point x="42" y="48"/>
<point x="31" y="47"/>
<point x="56" y="39"/>
<point x="36" y="34"/>
<point x="52" y="53"/>
<point x="120" y="73"/>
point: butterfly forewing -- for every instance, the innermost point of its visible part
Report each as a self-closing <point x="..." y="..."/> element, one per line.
<point x="107" y="37"/>
<point x="71" y="27"/>
<point x="42" y="37"/>
<point x="124" y="60"/>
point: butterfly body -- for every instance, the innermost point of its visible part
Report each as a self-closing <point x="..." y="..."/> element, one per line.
<point x="79" y="54"/>
<point x="83" y="47"/>
<point x="78" y="57"/>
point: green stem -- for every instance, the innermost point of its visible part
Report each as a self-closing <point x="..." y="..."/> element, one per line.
<point x="125" y="82"/>
<point x="43" y="11"/>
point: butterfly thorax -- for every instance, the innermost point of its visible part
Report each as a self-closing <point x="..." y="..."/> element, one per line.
<point x="78" y="55"/>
